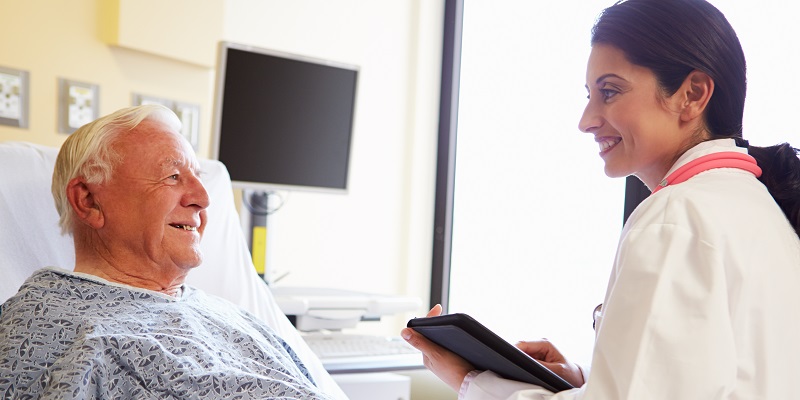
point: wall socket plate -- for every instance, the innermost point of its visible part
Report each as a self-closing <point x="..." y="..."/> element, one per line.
<point x="14" y="97"/>
<point x="188" y="114"/>
<point x="77" y="104"/>
<point x="140" y="99"/>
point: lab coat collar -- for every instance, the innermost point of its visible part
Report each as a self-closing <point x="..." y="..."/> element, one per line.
<point x="705" y="148"/>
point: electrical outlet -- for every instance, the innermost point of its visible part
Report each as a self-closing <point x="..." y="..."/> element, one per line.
<point x="142" y="99"/>
<point x="13" y="97"/>
<point x="189" y="114"/>
<point x="78" y="104"/>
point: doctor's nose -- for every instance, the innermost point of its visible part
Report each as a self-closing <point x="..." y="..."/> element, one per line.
<point x="590" y="120"/>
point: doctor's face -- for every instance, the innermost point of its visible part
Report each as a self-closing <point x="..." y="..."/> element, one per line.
<point x="154" y="205"/>
<point x="631" y="119"/>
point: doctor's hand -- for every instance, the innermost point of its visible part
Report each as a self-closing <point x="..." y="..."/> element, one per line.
<point x="548" y="355"/>
<point x="450" y="368"/>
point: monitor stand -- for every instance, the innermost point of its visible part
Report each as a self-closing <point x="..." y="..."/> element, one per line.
<point x="255" y="206"/>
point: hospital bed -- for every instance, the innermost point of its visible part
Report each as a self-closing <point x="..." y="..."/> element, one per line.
<point x="30" y="239"/>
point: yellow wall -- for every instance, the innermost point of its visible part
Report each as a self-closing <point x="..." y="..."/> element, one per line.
<point x="62" y="39"/>
<point x="182" y="29"/>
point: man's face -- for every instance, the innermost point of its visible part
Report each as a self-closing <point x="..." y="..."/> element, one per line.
<point x="154" y="204"/>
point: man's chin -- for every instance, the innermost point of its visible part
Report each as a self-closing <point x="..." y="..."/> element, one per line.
<point x="189" y="263"/>
<point x="195" y="264"/>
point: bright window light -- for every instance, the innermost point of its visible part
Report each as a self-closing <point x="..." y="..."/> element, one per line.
<point x="536" y="221"/>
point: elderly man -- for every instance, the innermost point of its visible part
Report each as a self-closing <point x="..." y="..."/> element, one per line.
<point x="123" y="324"/>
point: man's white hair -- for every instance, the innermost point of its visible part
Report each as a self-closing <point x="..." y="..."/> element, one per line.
<point x="88" y="152"/>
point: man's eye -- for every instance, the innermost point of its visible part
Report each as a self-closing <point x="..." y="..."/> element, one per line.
<point x="173" y="177"/>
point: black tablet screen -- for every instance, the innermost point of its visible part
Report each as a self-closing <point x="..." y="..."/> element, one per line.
<point x="482" y="348"/>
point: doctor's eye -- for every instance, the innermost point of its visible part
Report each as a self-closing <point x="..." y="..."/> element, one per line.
<point x="173" y="177"/>
<point x="608" y="93"/>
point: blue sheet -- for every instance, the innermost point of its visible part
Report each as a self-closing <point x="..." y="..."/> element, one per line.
<point x="67" y="335"/>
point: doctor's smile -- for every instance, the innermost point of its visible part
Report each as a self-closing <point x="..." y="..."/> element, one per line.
<point x="606" y="143"/>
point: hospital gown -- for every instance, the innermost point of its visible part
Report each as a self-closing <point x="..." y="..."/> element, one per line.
<point x="67" y="335"/>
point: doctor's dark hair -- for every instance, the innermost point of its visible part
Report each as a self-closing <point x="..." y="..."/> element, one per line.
<point x="672" y="38"/>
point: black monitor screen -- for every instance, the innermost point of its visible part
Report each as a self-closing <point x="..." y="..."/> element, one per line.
<point x="283" y="121"/>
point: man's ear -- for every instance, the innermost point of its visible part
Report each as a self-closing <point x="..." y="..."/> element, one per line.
<point x="84" y="203"/>
<point x="696" y="92"/>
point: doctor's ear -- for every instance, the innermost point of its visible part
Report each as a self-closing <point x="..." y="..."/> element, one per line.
<point x="695" y="93"/>
<point x="84" y="203"/>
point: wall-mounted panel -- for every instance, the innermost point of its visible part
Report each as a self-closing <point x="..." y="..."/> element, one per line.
<point x="178" y="29"/>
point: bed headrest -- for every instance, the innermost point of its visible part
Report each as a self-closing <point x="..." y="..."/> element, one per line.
<point x="29" y="234"/>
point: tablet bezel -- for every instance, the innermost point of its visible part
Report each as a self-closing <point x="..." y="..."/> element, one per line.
<point x="485" y="350"/>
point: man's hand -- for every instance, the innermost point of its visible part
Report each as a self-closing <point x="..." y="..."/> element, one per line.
<point x="450" y="368"/>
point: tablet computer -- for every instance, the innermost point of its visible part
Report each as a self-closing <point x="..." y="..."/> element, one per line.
<point x="482" y="348"/>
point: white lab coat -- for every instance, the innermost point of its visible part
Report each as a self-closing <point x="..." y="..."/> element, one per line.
<point x="703" y="301"/>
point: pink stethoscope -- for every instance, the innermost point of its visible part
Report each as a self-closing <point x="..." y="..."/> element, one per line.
<point x="728" y="159"/>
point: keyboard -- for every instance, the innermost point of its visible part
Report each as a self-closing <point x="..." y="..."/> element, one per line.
<point x="337" y="345"/>
<point x="350" y="353"/>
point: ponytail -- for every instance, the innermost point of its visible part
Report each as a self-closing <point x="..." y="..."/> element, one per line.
<point x="780" y="168"/>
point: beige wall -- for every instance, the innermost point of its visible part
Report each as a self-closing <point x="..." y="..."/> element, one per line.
<point x="377" y="236"/>
<point x="61" y="39"/>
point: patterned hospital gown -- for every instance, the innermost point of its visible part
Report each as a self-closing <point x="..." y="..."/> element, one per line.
<point x="68" y="336"/>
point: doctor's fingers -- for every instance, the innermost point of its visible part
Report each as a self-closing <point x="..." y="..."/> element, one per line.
<point x="435" y="311"/>
<point x="549" y="356"/>
<point x="449" y="367"/>
<point x="542" y="350"/>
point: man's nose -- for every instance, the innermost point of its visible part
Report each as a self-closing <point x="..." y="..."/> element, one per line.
<point x="196" y="194"/>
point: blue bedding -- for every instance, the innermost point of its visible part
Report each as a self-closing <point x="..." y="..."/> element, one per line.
<point x="73" y="336"/>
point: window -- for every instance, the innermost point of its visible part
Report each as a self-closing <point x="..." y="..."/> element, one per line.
<point x="535" y="222"/>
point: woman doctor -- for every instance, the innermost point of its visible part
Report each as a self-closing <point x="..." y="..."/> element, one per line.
<point x="703" y="297"/>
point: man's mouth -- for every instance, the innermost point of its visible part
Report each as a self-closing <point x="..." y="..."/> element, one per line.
<point x="184" y="227"/>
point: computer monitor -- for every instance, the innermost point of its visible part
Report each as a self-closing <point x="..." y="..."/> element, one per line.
<point x="283" y="121"/>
